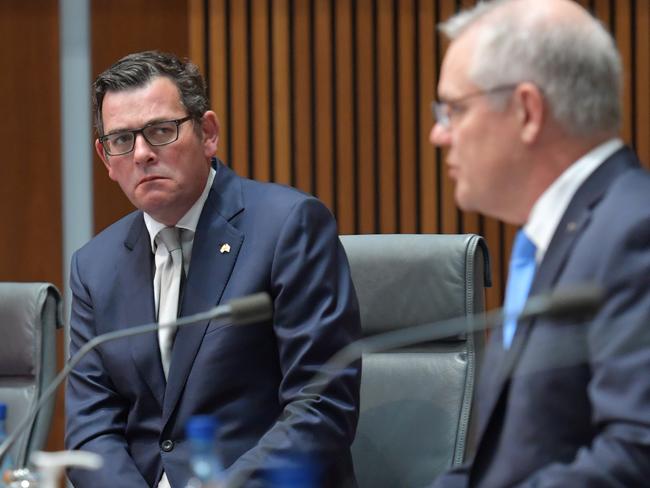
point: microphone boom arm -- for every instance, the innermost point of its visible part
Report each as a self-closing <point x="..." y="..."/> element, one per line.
<point x="251" y="308"/>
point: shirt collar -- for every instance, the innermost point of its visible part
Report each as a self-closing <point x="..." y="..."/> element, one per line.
<point x="189" y="221"/>
<point x="549" y="208"/>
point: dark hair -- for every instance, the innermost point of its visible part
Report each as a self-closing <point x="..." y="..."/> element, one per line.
<point x="137" y="69"/>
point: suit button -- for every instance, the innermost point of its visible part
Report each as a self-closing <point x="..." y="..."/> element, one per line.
<point x="167" y="445"/>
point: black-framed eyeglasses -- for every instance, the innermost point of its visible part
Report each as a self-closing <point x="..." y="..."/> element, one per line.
<point x="443" y="110"/>
<point x="156" y="134"/>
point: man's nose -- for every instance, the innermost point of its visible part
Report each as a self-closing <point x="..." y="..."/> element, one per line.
<point x="142" y="151"/>
<point x="440" y="135"/>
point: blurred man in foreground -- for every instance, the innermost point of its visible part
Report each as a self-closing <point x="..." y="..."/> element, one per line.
<point x="529" y="111"/>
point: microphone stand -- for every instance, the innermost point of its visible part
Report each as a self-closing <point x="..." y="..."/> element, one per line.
<point x="575" y="303"/>
<point x="563" y="303"/>
<point x="249" y="309"/>
<point x="578" y="302"/>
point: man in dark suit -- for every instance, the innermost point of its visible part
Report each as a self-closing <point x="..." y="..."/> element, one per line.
<point x="529" y="111"/>
<point x="129" y="400"/>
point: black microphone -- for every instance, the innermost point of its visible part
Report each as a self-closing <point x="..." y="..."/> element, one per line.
<point x="574" y="303"/>
<point x="246" y="310"/>
<point x="579" y="302"/>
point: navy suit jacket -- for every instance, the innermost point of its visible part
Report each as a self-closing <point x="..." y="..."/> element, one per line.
<point x="568" y="405"/>
<point x="255" y="379"/>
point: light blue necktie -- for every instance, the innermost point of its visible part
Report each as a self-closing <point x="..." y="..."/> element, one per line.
<point x="520" y="277"/>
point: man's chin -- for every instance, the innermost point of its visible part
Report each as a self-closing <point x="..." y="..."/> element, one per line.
<point x="155" y="206"/>
<point x="463" y="200"/>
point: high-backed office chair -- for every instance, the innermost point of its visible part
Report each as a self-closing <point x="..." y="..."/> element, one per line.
<point x="416" y="402"/>
<point x="30" y="313"/>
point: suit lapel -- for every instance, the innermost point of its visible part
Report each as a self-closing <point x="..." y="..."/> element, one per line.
<point x="572" y="224"/>
<point x="209" y="272"/>
<point x="137" y="294"/>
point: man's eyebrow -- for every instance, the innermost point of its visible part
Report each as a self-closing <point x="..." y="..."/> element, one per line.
<point x="126" y="129"/>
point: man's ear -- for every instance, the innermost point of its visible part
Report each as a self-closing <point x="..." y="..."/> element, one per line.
<point x="210" y="133"/>
<point x="530" y="111"/>
<point x="99" y="147"/>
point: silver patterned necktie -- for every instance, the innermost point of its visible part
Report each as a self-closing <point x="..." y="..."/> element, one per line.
<point x="169" y="274"/>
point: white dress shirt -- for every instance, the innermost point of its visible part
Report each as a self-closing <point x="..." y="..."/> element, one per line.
<point x="188" y="223"/>
<point x="549" y="208"/>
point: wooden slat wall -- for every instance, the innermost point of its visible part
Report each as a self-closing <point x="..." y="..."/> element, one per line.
<point x="332" y="96"/>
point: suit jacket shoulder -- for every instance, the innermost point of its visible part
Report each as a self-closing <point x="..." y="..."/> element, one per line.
<point x="583" y="383"/>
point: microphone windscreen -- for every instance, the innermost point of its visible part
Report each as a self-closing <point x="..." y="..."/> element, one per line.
<point x="251" y="308"/>
<point x="578" y="303"/>
<point x="572" y="303"/>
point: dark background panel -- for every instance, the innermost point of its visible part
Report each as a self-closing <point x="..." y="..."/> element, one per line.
<point x="30" y="161"/>
<point x="30" y="164"/>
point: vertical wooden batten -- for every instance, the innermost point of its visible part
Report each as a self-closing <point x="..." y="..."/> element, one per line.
<point x="343" y="121"/>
